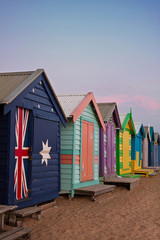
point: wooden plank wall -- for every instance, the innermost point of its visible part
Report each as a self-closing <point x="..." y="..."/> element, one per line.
<point x="3" y="155"/>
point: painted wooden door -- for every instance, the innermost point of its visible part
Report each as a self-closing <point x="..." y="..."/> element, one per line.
<point x="111" y="149"/>
<point x="22" y="165"/>
<point x="125" y="150"/>
<point x="45" y="158"/>
<point x="87" y="151"/>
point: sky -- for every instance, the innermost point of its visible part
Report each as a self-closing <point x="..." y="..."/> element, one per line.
<point x="109" y="47"/>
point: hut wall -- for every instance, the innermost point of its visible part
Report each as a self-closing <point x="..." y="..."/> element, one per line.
<point x="155" y="155"/>
<point x="159" y="154"/>
<point x="136" y="152"/>
<point x="67" y="136"/>
<point x="125" y="151"/>
<point x="150" y="154"/>
<point x="4" y="144"/>
<point x="145" y="152"/>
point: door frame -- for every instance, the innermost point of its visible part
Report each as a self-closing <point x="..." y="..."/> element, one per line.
<point x="82" y="118"/>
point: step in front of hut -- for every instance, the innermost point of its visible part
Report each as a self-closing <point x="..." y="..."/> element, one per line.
<point x="146" y="172"/>
<point x="129" y="183"/>
<point x="156" y="169"/>
<point x="94" y="190"/>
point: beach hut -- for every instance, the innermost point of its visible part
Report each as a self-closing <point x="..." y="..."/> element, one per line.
<point x="136" y="149"/>
<point x="156" y="142"/>
<point x="107" y="149"/>
<point x="30" y="123"/>
<point x="80" y="142"/>
<point x="145" y="146"/>
<point x="124" y="144"/>
<point x="151" y="148"/>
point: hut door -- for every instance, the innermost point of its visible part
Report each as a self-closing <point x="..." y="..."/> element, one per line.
<point x="87" y="151"/>
<point x="111" y="151"/>
<point x="125" y="150"/>
<point x="22" y="165"/>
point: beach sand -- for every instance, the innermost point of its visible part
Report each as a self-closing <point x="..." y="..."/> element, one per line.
<point x="120" y="215"/>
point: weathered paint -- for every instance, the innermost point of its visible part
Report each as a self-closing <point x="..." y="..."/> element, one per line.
<point x="42" y="178"/>
<point x="73" y="148"/>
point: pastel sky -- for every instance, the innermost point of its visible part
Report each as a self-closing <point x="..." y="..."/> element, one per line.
<point x="110" y="47"/>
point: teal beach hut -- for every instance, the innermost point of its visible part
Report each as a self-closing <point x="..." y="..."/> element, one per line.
<point x="80" y="142"/>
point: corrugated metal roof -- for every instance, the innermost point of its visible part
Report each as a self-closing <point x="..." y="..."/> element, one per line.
<point x="137" y="126"/>
<point x="69" y="102"/>
<point x="106" y="110"/>
<point x="13" y="83"/>
<point x="122" y="117"/>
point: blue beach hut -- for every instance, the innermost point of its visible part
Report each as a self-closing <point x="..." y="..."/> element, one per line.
<point x="136" y="150"/>
<point x="30" y="122"/>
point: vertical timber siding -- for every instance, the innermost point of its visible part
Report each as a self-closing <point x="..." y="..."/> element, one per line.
<point x="67" y="135"/>
<point x="3" y="156"/>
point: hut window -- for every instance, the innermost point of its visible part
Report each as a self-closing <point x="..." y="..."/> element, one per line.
<point x="105" y="137"/>
<point x="40" y="83"/>
<point x="105" y="169"/>
<point x="110" y="119"/>
<point x="39" y="106"/>
<point x="33" y="90"/>
<point x="51" y="109"/>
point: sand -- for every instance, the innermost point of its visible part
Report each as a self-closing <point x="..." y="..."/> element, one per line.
<point x="120" y="215"/>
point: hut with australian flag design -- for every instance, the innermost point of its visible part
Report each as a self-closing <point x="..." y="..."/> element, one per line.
<point x="30" y="123"/>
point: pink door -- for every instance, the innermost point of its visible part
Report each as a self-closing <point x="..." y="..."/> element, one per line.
<point x="87" y="151"/>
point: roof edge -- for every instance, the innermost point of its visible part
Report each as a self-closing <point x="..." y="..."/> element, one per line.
<point x="83" y="104"/>
<point x="22" y="86"/>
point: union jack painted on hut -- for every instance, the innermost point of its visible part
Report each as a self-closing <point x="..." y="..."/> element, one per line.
<point x="30" y="122"/>
<point x="21" y="153"/>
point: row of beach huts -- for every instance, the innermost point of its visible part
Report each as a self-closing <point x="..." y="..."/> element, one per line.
<point x="51" y="145"/>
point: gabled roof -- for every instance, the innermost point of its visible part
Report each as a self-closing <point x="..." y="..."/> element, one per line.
<point x="107" y="109"/>
<point x="125" y="117"/>
<point x="139" y="128"/>
<point x="13" y="83"/>
<point x="156" y="137"/>
<point x="74" y="105"/>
